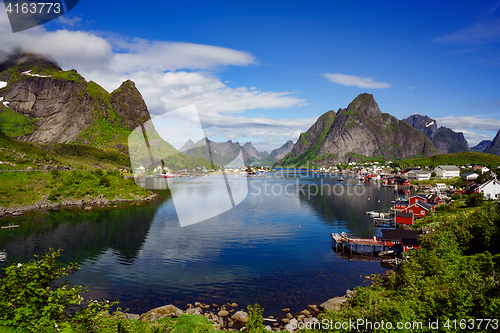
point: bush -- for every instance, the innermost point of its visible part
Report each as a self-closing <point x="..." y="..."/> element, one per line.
<point x="30" y="300"/>
<point x="104" y="181"/>
<point x="474" y="199"/>
<point x="255" y="319"/>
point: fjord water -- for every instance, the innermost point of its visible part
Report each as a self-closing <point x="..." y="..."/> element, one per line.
<point x="273" y="248"/>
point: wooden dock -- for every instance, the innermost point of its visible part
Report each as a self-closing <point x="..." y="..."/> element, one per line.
<point x="384" y="222"/>
<point x="347" y="242"/>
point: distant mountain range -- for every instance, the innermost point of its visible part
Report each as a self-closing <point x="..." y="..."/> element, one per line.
<point x="445" y="139"/>
<point x="222" y="153"/>
<point x="357" y="132"/>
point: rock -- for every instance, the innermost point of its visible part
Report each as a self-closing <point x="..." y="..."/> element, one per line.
<point x="292" y="326"/>
<point x="205" y="306"/>
<point x="270" y="317"/>
<point x="289" y="315"/>
<point x="305" y="312"/>
<point x="286" y="310"/>
<point x="88" y="208"/>
<point x="310" y="321"/>
<point x="131" y="316"/>
<point x="350" y="293"/>
<point x="240" y="316"/>
<point x="214" y="305"/>
<point x="268" y="328"/>
<point x="301" y="317"/>
<point x="234" y="305"/>
<point x="368" y="277"/>
<point x="333" y="303"/>
<point x="197" y="304"/>
<point x="161" y="312"/>
<point x="230" y="323"/>
<point x="196" y="310"/>
<point x="223" y="313"/>
<point x="285" y="320"/>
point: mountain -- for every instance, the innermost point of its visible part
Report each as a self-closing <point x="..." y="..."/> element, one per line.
<point x="360" y="131"/>
<point x="445" y="139"/>
<point x="481" y="146"/>
<point x="280" y="152"/>
<point x="64" y="108"/>
<point x="494" y="147"/>
<point x="222" y="153"/>
<point x="41" y="103"/>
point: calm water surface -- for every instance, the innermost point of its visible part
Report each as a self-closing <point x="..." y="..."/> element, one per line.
<point x="274" y="248"/>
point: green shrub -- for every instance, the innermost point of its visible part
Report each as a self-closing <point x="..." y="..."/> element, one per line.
<point x="255" y="319"/>
<point x="474" y="199"/>
<point x="31" y="301"/>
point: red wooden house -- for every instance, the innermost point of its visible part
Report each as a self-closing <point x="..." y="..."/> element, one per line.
<point x="404" y="218"/>
<point x="419" y="209"/>
<point x="394" y="237"/>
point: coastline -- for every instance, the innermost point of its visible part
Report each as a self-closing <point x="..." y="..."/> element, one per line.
<point x="85" y="204"/>
<point x="233" y="317"/>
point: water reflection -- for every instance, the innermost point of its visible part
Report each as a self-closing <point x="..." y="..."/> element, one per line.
<point x="273" y="248"/>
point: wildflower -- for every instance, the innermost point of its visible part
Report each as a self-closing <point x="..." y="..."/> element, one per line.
<point x="19" y="265"/>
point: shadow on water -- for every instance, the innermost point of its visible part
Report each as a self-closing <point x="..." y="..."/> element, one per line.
<point x="83" y="235"/>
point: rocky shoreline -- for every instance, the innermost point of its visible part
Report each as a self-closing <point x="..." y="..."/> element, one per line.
<point x="85" y="204"/>
<point x="231" y="317"/>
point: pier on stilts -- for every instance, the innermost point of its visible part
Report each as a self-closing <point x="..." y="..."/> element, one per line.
<point x="345" y="242"/>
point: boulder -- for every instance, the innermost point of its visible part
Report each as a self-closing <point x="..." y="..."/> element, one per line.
<point x="196" y="310"/>
<point x="161" y="312"/>
<point x="240" y="316"/>
<point x="333" y="303"/>
<point x="292" y="326"/>
<point x="223" y="313"/>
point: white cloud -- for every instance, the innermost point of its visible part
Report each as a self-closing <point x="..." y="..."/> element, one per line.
<point x="474" y="138"/>
<point x="485" y="31"/>
<point x="353" y="80"/>
<point x="469" y="122"/>
<point x="169" y="75"/>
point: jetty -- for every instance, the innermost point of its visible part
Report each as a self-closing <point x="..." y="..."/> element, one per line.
<point x="345" y="241"/>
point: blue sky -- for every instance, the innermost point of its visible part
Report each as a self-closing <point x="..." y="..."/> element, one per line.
<point x="264" y="71"/>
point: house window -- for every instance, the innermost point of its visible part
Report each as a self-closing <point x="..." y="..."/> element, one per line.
<point x="422" y="212"/>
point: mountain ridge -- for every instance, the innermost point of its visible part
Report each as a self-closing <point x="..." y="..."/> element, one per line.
<point x="445" y="139"/>
<point x="361" y="130"/>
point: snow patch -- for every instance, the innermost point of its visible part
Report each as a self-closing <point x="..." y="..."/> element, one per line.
<point x="6" y="103"/>
<point x="430" y="124"/>
<point x="2" y="84"/>
<point x="30" y="74"/>
<point x="1" y="99"/>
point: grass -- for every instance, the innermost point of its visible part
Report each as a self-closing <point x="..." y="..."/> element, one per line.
<point x="24" y="188"/>
<point x="15" y="124"/>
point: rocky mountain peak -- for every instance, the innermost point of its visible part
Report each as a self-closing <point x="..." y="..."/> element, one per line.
<point x="364" y="104"/>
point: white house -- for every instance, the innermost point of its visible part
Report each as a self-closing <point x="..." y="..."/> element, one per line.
<point x="469" y="176"/>
<point x="418" y="175"/>
<point x="490" y="189"/>
<point x="447" y="171"/>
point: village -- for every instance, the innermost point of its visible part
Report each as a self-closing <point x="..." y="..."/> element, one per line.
<point x="394" y="243"/>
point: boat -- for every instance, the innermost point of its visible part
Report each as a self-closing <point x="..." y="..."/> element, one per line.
<point x="166" y="175"/>
<point x="340" y="179"/>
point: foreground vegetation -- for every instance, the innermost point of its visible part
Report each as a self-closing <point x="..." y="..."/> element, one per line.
<point x="25" y="188"/>
<point x="450" y="284"/>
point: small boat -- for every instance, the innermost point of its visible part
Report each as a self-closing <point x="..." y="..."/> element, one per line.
<point x="340" y="179"/>
<point x="166" y="175"/>
<point x="373" y="214"/>
<point x="11" y="226"/>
